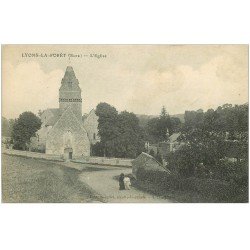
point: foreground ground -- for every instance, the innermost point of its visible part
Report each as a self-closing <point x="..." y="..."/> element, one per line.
<point x="32" y="180"/>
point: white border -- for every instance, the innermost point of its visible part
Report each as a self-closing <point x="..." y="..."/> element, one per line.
<point x="145" y="226"/>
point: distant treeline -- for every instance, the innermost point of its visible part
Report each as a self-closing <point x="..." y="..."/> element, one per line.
<point x="211" y="164"/>
<point x="7" y="126"/>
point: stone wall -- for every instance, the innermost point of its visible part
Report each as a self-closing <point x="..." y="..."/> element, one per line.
<point x="105" y="161"/>
<point x="91" y="125"/>
<point x="31" y="154"/>
<point x="42" y="134"/>
<point x="85" y="160"/>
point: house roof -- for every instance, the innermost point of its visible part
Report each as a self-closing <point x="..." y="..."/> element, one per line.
<point x="174" y="137"/>
<point x="144" y="157"/>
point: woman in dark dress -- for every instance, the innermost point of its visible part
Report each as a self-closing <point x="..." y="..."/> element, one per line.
<point x="121" y="182"/>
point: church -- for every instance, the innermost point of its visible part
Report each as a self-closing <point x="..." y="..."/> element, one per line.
<point x="65" y="131"/>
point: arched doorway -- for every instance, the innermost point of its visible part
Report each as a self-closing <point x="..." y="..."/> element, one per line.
<point x="68" y="153"/>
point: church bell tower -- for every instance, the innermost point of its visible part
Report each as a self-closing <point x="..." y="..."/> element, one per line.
<point x="70" y="93"/>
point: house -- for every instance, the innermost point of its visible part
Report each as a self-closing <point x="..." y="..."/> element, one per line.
<point x="165" y="147"/>
<point x="146" y="162"/>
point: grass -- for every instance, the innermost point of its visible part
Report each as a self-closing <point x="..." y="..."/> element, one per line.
<point x="29" y="180"/>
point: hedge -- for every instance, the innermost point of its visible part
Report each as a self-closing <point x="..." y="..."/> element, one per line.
<point x="211" y="190"/>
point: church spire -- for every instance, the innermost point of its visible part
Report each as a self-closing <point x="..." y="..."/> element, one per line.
<point x="69" y="81"/>
<point x="70" y="93"/>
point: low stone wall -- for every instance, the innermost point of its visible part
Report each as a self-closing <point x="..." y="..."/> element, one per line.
<point x="88" y="160"/>
<point x="29" y="154"/>
<point x="105" y="161"/>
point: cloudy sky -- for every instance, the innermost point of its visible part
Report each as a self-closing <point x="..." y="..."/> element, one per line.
<point x="137" y="78"/>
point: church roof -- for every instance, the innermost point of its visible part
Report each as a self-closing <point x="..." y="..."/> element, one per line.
<point x="56" y="115"/>
<point x="69" y="73"/>
<point x="86" y="116"/>
<point x="69" y="81"/>
<point x="54" y="111"/>
<point x="68" y="112"/>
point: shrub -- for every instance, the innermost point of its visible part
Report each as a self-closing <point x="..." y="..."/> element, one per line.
<point x="152" y="152"/>
<point x="210" y="190"/>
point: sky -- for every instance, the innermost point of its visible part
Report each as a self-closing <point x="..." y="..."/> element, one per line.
<point x="136" y="78"/>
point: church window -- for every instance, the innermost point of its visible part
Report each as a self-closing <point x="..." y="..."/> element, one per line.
<point x="94" y="136"/>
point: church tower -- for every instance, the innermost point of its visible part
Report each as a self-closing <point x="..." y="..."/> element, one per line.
<point x="70" y="93"/>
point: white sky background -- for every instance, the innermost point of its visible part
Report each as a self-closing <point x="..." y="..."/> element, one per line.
<point x="136" y="78"/>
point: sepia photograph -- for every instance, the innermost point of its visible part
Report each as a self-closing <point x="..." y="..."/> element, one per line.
<point x="125" y="123"/>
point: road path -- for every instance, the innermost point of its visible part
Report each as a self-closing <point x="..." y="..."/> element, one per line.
<point x="107" y="187"/>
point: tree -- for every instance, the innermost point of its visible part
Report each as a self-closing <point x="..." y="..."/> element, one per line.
<point x="5" y="127"/>
<point x="107" y="125"/>
<point x="205" y="134"/>
<point x="185" y="160"/>
<point x="24" y="128"/>
<point x="97" y="149"/>
<point x="130" y="140"/>
<point x="152" y="130"/>
<point x="176" y="124"/>
<point x="40" y="112"/>
<point x="11" y="125"/>
<point x="193" y="119"/>
<point x="160" y="128"/>
<point x="164" y="125"/>
<point x="120" y="134"/>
